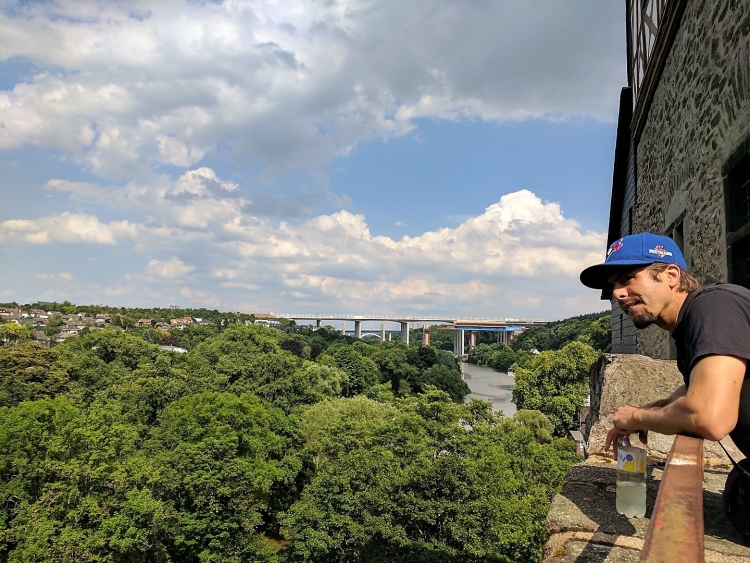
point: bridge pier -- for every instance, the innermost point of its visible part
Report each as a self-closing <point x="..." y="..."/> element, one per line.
<point x="357" y="329"/>
<point x="405" y="332"/>
<point x="317" y="323"/>
<point x="425" y="336"/>
<point x="458" y="343"/>
<point x="472" y="340"/>
<point x="382" y="332"/>
<point x="343" y="329"/>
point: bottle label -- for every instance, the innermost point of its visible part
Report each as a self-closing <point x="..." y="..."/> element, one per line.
<point x="632" y="460"/>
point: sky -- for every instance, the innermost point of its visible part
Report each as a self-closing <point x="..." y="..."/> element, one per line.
<point x="362" y="157"/>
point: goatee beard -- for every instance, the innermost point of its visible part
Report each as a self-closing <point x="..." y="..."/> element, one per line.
<point x="643" y="320"/>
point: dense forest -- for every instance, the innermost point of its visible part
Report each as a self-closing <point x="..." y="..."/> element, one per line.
<point x="265" y="445"/>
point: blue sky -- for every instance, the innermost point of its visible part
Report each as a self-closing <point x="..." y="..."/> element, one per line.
<point x="352" y="157"/>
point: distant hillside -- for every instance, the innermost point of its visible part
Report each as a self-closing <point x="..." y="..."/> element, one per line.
<point x="594" y="329"/>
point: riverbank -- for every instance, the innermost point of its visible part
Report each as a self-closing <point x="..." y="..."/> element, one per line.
<point x="490" y="385"/>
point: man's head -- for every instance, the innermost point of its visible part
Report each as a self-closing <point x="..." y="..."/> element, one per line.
<point x="647" y="274"/>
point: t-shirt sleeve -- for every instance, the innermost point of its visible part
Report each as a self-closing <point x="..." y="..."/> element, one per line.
<point x="719" y="325"/>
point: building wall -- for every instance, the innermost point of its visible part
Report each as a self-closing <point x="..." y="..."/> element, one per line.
<point x="623" y="331"/>
<point x="700" y="114"/>
<point x="627" y="216"/>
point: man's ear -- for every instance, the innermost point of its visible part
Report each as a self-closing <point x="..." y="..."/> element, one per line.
<point x="673" y="275"/>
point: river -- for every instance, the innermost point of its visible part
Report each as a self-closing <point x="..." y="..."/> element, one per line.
<point x="490" y="385"/>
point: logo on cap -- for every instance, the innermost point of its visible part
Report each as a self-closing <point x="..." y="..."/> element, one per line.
<point x="660" y="251"/>
<point x="617" y="245"/>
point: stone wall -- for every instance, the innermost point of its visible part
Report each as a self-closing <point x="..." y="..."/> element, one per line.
<point x="699" y="116"/>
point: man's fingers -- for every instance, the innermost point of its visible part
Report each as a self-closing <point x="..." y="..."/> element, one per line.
<point x="612" y="437"/>
<point x="643" y="436"/>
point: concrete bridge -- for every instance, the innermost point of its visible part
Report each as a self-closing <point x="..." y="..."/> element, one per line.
<point x="504" y="327"/>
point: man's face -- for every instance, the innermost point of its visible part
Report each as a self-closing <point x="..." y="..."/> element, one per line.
<point x="639" y="295"/>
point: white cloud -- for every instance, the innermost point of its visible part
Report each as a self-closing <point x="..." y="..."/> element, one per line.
<point x="129" y="91"/>
<point x="62" y="276"/>
<point x="203" y="298"/>
<point x="173" y="151"/>
<point x="174" y="268"/>
<point x="292" y="84"/>
<point x="81" y="191"/>
<point x="67" y="228"/>
<point x="520" y="257"/>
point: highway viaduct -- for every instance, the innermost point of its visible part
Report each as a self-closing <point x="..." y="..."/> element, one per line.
<point x="460" y="324"/>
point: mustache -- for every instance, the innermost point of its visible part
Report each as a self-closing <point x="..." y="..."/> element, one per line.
<point x="627" y="303"/>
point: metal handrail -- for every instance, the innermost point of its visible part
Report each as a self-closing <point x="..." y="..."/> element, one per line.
<point x="676" y="527"/>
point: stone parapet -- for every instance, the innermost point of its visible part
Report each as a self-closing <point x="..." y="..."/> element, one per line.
<point x="583" y="525"/>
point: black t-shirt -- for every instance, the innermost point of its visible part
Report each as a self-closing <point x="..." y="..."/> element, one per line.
<point x="715" y="320"/>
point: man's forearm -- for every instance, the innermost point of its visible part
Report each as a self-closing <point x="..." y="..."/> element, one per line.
<point x="679" y="392"/>
<point x="674" y="418"/>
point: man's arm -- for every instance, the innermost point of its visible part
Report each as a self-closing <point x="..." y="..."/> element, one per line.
<point x="615" y="433"/>
<point x="708" y="409"/>
<point x="679" y="392"/>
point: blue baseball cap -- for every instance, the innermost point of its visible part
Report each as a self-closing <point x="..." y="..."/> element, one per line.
<point x="640" y="249"/>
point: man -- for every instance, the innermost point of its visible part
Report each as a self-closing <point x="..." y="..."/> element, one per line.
<point x="711" y="329"/>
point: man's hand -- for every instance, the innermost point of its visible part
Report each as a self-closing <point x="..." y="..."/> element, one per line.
<point x="624" y="418"/>
<point x="625" y="424"/>
<point x="615" y="434"/>
<point x="612" y="438"/>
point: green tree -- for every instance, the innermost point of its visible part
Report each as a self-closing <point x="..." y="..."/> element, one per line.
<point x="414" y="484"/>
<point x="503" y="359"/>
<point x="28" y="372"/>
<point x="599" y="334"/>
<point x="218" y="459"/>
<point x="362" y="373"/>
<point x="12" y="333"/>
<point x="556" y="384"/>
<point x="537" y="423"/>
<point x="77" y="486"/>
<point x="67" y="308"/>
<point x="444" y="379"/>
<point x="394" y="366"/>
<point x="588" y="328"/>
<point x="100" y="358"/>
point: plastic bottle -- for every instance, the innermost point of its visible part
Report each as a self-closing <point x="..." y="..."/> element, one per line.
<point x="631" y="479"/>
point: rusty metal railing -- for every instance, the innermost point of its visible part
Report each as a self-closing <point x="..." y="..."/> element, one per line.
<point x="676" y="529"/>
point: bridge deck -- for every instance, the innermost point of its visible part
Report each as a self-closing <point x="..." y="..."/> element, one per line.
<point x="473" y="321"/>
